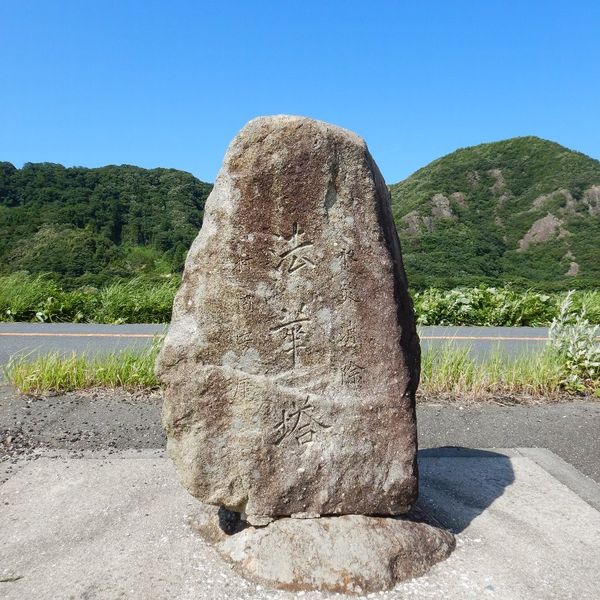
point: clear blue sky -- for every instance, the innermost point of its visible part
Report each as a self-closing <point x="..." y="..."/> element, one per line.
<point x="169" y="83"/>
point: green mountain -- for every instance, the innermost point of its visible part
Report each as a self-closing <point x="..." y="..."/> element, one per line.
<point x="523" y="210"/>
<point x="94" y="225"/>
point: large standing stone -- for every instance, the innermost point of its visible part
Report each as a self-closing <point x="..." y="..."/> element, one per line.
<point x="292" y="359"/>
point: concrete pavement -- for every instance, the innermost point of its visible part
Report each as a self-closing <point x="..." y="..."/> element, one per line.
<point x="90" y="508"/>
<point x="122" y="527"/>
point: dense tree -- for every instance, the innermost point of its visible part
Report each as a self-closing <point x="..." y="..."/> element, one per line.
<point x="93" y="225"/>
<point x="462" y="219"/>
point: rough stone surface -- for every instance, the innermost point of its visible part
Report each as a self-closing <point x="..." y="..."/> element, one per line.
<point x="292" y="358"/>
<point x="351" y="554"/>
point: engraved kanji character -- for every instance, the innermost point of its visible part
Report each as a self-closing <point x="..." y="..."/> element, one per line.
<point x="352" y="375"/>
<point x="348" y="336"/>
<point x="293" y="329"/>
<point x="299" y="422"/>
<point x="295" y="256"/>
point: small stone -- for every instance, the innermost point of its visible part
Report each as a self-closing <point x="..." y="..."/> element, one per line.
<point x="258" y="520"/>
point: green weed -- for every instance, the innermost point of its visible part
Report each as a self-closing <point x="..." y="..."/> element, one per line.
<point x="450" y="369"/>
<point x="56" y="372"/>
<point x="575" y="341"/>
<point x="445" y="369"/>
<point x="500" y="307"/>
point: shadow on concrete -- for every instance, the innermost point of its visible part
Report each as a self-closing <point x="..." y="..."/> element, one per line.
<point x="456" y="485"/>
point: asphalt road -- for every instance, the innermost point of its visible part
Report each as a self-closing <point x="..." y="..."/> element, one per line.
<point x="74" y="337"/>
<point x="112" y="421"/>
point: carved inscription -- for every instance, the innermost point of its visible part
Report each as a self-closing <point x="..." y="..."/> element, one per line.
<point x="295" y="255"/>
<point x="347" y="293"/>
<point x="242" y="262"/>
<point x="241" y="387"/>
<point x="299" y="422"/>
<point x="345" y="257"/>
<point x="352" y="375"/>
<point x="348" y="337"/>
<point x="242" y="337"/>
<point x="292" y="328"/>
<point x="245" y="302"/>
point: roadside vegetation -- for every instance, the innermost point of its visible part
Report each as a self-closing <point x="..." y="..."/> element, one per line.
<point x="40" y="298"/>
<point x="501" y="307"/>
<point x="451" y="370"/>
<point x="447" y="370"/>
<point x="56" y="372"/>
<point x="569" y="364"/>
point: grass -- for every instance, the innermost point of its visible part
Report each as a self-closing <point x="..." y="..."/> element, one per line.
<point x="40" y="298"/>
<point x="445" y="370"/>
<point x="451" y="370"/>
<point x="56" y="372"/>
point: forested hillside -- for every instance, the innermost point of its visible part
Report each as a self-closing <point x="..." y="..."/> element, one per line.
<point x="524" y="210"/>
<point x="95" y="225"/>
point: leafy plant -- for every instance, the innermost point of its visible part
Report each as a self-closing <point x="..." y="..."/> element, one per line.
<point x="40" y="298"/>
<point x="488" y="306"/>
<point x="576" y="342"/>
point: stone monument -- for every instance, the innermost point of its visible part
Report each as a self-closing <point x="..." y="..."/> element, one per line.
<point x="291" y="364"/>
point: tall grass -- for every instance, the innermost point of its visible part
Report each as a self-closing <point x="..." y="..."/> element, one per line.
<point x="56" y="372"/>
<point x="136" y="301"/>
<point x="445" y="370"/>
<point x="452" y="370"/>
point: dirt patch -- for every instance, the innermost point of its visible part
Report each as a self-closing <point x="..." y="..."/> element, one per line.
<point x="473" y="178"/>
<point x="459" y="198"/>
<point x="440" y="207"/>
<point x="573" y="269"/>
<point x="440" y="210"/>
<point x="502" y="398"/>
<point x="412" y="222"/>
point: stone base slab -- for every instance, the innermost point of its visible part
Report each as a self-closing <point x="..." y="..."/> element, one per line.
<point x="352" y="554"/>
